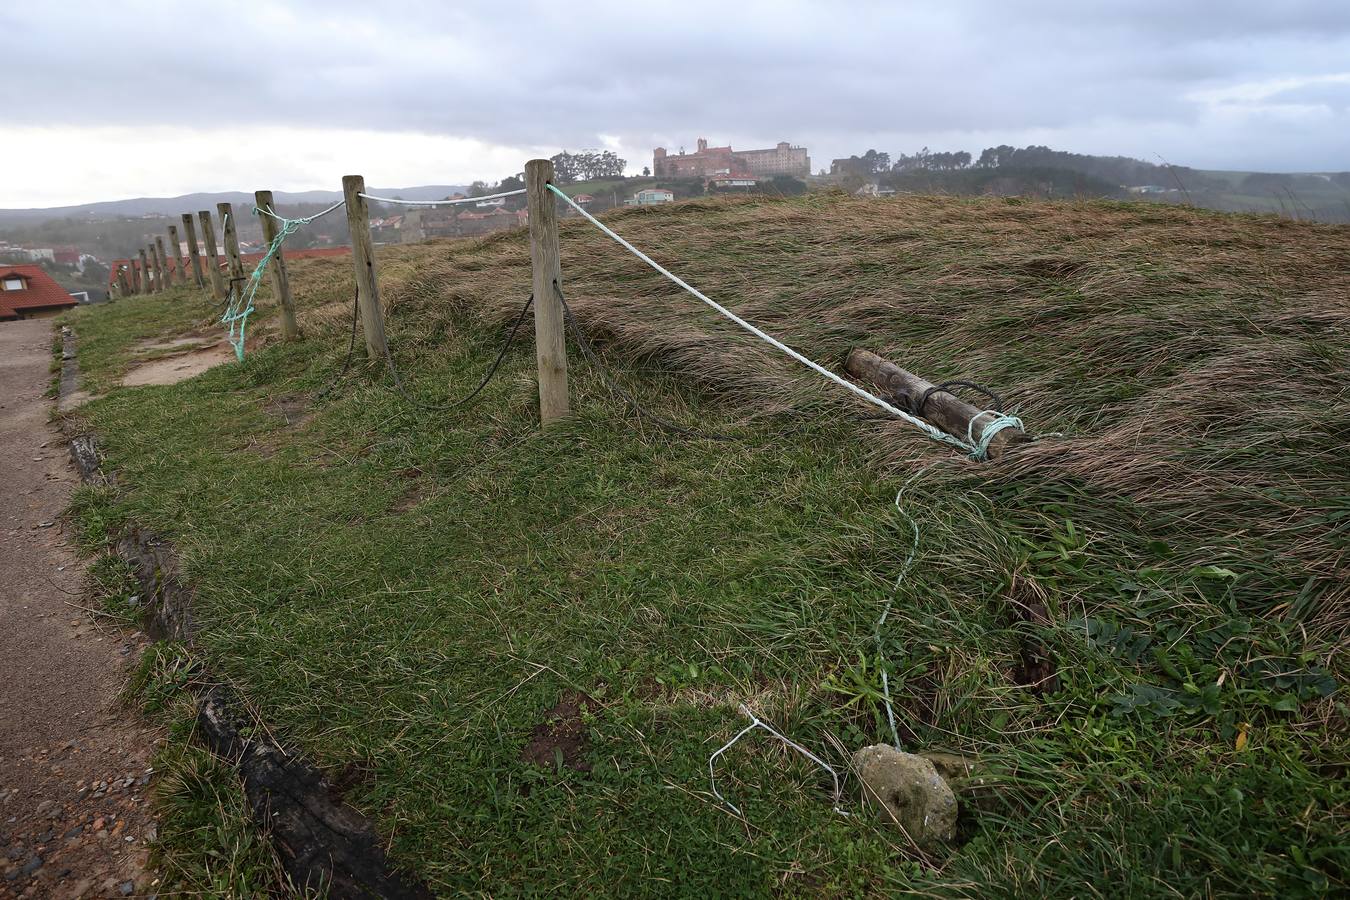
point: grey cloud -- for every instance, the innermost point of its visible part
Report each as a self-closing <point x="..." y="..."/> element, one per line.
<point x="553" y="74"/>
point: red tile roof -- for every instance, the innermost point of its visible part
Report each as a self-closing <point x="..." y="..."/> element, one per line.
<point x="39" y="292"/>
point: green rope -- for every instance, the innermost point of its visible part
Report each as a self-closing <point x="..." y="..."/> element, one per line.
<point x="240" y="305"/>
<point x="979" y="449"/>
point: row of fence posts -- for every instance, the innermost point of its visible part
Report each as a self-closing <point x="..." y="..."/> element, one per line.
<point x="156" y="272"/>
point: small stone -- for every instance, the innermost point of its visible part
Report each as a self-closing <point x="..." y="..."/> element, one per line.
<point x="15" y="852"/>
<point x="126" y="888"/>
<point x="74" y="832"/>
<point x="34" y="863"/>
<point x="909" y="792"/>
<point x="45" y="836"/>
<point x="98" y="823"/>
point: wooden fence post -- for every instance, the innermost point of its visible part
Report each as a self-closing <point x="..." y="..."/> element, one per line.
<point x="363" y="261"/>
<point x="212" y="254"/>
<point x="281" y="284"/>
<point x="161" y="264"/>
<point x="550" y="345"/>
<point x="123" y="288"/>
<point x="178" y="274"/>
<point x="190" y="232"/>
<point x="143" y="275"/>
<point x="232" y="248"/>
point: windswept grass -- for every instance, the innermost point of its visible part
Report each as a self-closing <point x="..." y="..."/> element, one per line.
<point x="1134" y="627"/>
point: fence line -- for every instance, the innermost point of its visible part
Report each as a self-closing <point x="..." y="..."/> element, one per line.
<point x="550" y="315"/>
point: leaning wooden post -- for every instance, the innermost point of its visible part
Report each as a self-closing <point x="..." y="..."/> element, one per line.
<point x="945" y="410"/>
<point x="232" y="248"/>
<point x="550" y="345"/>
<point x="143" y="276"/>
<point x="190" y="232"/>
<point x="123" y="287"/>
<point x="161" y="264"/>
<point x="363" y="261"/>
<point x="281" y="285"/>
<point x="212" y="254"/>
<point x="178" y="273"/>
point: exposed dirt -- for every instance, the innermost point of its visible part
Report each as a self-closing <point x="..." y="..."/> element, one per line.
<point x="295" y="411"/>
<point x="74" y="763"/>
<point x="179" y="366"/>
<point x="561" y="738"/>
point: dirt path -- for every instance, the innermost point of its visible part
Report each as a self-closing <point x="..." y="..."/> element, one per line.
<point x="74" y="764"/>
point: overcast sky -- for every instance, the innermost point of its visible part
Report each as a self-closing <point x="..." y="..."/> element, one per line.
<point x="121" y="98"/>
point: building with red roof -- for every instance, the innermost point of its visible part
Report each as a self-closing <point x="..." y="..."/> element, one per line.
<point x="27" y="292"/>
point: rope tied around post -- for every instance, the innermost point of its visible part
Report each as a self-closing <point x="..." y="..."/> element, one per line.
<point x="239" y="305"/>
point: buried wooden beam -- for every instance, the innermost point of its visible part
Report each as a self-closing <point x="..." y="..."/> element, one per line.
<point x="943" y="408"/>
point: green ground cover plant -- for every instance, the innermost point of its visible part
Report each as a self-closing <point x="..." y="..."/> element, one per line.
<point x="1133" y="628"/>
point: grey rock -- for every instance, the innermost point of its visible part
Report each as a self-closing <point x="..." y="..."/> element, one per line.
<point x="33" y="864"/>
<point x="45" y="836"/>
<point x="907" y="790"/>
<point x="74" y="832"/>
<point x="126" y="888"/>
<point x="15" y="852"/>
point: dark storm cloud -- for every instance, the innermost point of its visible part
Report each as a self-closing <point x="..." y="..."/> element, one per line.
<point x="842" y="76"/>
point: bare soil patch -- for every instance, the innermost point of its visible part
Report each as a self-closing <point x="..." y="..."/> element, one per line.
<point x="179" y="366"/>
<point x="561" y="740"/>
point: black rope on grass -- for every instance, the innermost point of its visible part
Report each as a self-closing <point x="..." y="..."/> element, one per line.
<point x="946" y="388"/>
<point x="492" y="370"/>
<point x="351" y="347"/>
<point x="588" y="352"/>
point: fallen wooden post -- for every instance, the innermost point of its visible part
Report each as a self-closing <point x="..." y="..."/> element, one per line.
<point x="943" y="408"/>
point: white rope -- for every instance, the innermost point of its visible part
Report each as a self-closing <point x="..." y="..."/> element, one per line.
<point x="756" y="722"/>
<point x="440" y="202"/>
<point x="933" y="432"/>
<point x="303" y="219"/>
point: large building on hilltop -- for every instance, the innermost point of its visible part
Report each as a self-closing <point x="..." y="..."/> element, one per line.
<point x="783" y="159"/>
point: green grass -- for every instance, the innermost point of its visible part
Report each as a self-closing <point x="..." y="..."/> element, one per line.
<point x="403" y="594"/>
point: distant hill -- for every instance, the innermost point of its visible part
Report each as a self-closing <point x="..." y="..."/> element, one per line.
<point x="172" y="206"/>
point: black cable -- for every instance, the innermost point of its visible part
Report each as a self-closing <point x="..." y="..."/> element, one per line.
<point x="614" y="386"/>
<point x="946" y="388"/>
<point x="492" y="370"/>
<point x="351" y="347"/>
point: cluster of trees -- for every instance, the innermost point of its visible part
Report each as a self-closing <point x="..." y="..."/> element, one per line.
<point x="1113" y="169"/>
<point x="587" y="165"/>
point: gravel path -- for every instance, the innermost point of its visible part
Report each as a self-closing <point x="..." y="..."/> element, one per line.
<point x="74" y="763"/>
